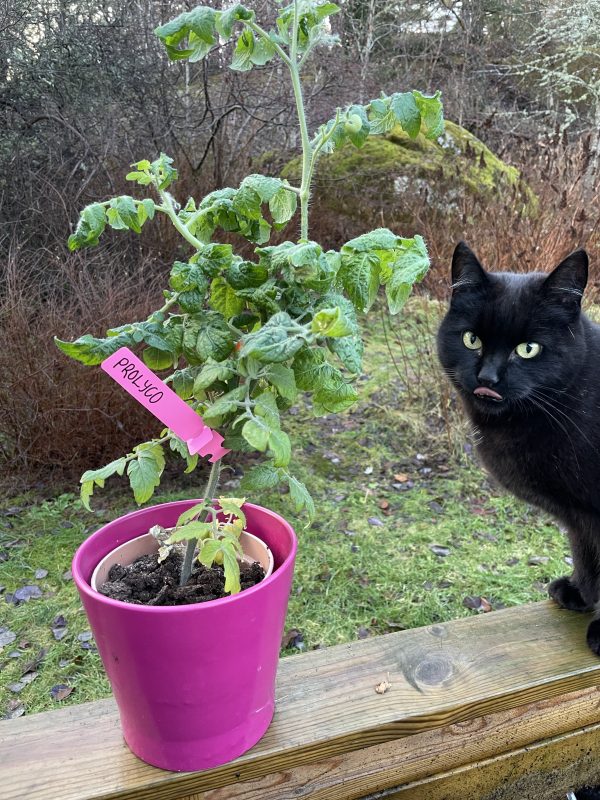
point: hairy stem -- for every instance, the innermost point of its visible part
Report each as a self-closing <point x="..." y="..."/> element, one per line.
<point x="264" y="35"/>
<point x="167" y="207"/>
<point x="306" y="146"/>
<point x="190" y="552"/>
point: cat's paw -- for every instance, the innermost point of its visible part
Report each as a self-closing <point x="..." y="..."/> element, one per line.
<point x="567" y="595"/>
<point x="593" y="636"/>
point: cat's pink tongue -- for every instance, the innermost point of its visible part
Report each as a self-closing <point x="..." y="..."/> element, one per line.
<point x="483" y="391"/>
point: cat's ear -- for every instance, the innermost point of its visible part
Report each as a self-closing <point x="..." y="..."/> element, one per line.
<point x="568" y="280"/>
<point x="467" y="272"/>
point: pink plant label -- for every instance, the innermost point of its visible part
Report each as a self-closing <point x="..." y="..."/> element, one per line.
<point x="140" y="382"/>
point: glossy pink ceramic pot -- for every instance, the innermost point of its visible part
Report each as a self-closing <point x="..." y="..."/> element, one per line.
<point x="195" y="684"/>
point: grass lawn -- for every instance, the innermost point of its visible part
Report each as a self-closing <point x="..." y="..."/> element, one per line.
<point x="409" y="530"/>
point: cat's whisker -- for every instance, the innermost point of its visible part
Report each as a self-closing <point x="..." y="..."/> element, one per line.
<point x="540" y="396"/>
<point x="543" y="406"/>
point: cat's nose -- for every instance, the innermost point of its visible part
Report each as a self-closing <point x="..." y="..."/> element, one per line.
<point x="488" y="375"/>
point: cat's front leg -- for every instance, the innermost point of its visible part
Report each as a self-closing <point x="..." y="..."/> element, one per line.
<point x="565" y="592"/>
<point x="580" y="591"/>
<point x="593" y="636"/>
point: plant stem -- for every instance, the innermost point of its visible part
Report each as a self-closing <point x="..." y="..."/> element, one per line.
<point x="170" y="302"/>
<point x="190" y="552"/>
<point x="306" y="147"/>
<point x="167" y="207"/>
<point x="263" y="34"/>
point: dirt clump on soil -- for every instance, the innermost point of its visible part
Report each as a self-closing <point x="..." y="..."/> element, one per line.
<point x="148" y="583"/>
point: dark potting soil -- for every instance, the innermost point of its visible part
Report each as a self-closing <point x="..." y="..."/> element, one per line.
<point x="146" y="582"/>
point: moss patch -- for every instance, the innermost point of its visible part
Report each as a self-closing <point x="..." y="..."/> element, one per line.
<point x="389" y="175"/>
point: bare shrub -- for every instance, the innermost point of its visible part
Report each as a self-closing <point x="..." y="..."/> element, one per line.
<point x="56" y="413"/>
<point x="507" y="235"/>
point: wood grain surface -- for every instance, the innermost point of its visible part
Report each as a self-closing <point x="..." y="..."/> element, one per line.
<point x="426" y="759"/>
<point x="327" y="708"/>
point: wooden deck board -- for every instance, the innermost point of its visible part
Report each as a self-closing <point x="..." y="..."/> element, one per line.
<point x="326" y="707"/>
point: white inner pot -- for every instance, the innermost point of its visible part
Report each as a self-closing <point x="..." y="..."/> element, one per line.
<point x="254" y="550"/>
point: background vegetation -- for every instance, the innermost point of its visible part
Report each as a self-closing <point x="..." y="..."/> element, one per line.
<point x="410" y="530"/>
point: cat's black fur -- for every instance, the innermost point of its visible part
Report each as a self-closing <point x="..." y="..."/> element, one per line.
<point x="541" y="441"/>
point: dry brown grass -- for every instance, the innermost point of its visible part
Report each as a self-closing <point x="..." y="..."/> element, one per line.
<point x="58" y="414"/>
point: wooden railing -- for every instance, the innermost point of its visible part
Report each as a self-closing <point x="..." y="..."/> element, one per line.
<point x="502" y="706"/>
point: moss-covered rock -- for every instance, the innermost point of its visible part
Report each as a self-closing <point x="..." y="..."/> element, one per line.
<point x="393" y="176"/>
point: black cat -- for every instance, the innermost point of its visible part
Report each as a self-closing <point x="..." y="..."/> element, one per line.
<point x="526" y="362"/>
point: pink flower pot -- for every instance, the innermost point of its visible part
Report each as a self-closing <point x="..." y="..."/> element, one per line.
<point x="195" y="684"/>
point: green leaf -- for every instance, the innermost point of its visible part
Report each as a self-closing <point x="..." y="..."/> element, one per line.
<point x="224" y="299"/>
<point x="331" y="322"/>
<point x="97" y="477"/>
<point x="149" y="207"/>
<point x="157" y="359"/>
<point x="190" y="513"/>
<point x="191" y="530"/>
<point x="163" y="171"/>
<point x="209" y="550"/>
<point x="123" y="213"/>
<point x="246" y="274"/>
<point x="281" y="448"/>
<point x="85" y="493"/>
<point x="251" y="50"/>
<point x="283" y="379"/>
<point x="233" y="505"/>
<point x="205" y="336"/>
<point x="247" y="203"/>
<point x="225" y="20"/>
<point x="260" y="478"/>
<point x="300" y="497"/>
<point x="265" y="406"/>
<point x="378" y="239"/>
<point x="278" y="340"/>
<point x="311" y="368"/>
<point x="349" y="350"/>
<point x="409" y="267"/>
<point x="263" y="298"/>
<point x="331" y="393"/>
<point x="335" y="396"/>
<point x="90" y="350"/>
<point x="185" y="277"/>
<point x="183" y="382"/>
<point x="179" y="446"/>
<point x="144" y="470"/>
<point x="282" y="205"/>
<point x="381" y="116"/>
<point x="212" y="372"/>
<point x="407" y="113"/>
<point x="226" y="404"/>
<point x="264" y="185"/>
<point x="304" y="264"/>
<point x="256" y="432"/>
<point x="139" y="177"/>
<point x="91" y="224"/>
<point x="192" y="463"/>
<point x="198" y="26"/>
<point x="311" y="27"/>
<point x="231" y="568"/>
<point x="359" y="274"/>
<point x="432" y="113"/>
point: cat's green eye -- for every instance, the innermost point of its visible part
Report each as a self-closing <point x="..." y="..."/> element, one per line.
<point x="528" y="349"/>
<point x="471" y="341"/>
